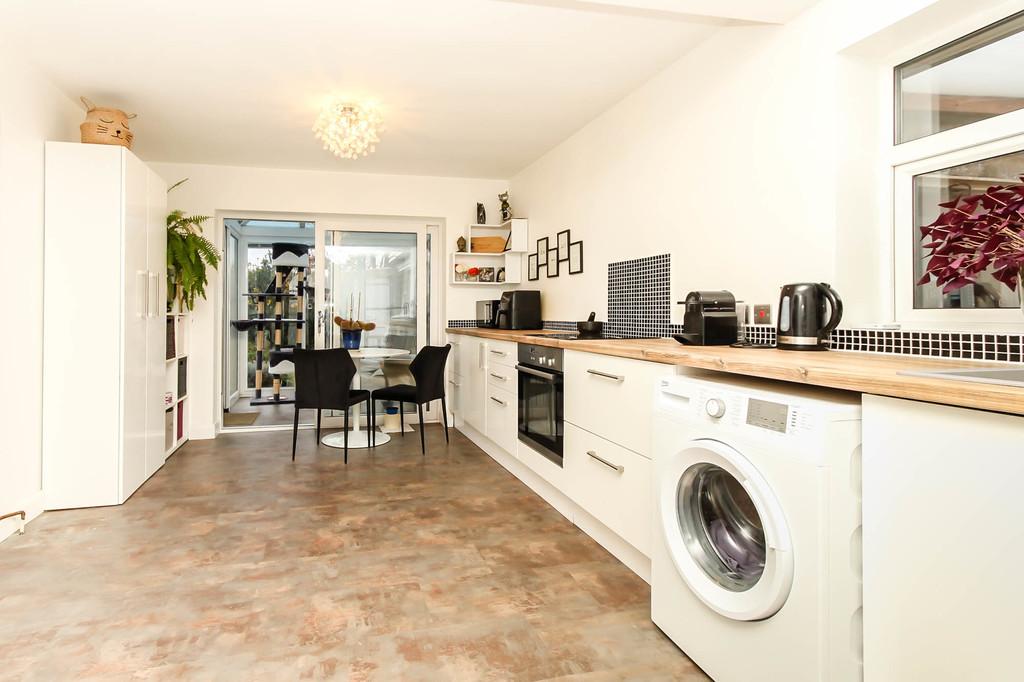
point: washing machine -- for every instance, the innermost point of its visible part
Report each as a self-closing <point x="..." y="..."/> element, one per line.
<point x="756" y="564"/>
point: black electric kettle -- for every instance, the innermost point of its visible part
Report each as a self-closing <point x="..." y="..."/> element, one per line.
<point x="804" y="320"/>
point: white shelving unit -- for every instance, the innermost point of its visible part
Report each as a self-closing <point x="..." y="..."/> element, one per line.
<point x="176" y="384"/>
<point x="517" y="232"/>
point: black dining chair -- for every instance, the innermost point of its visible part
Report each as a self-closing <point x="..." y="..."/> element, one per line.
<point x="323" y="381"/>
<point x="427" y="369"/>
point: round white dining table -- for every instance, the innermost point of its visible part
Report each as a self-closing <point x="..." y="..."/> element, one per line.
<point x="357" y="437"/>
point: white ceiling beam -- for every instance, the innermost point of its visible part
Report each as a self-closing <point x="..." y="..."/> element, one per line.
<point x="710" y="11"/>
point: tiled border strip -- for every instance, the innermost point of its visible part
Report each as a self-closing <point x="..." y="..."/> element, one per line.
<point x="940" y="344"/>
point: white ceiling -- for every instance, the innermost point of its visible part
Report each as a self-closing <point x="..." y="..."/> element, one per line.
<point x="476" y="88"/>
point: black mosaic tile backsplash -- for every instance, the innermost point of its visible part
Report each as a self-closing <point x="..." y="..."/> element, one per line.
<point x="639" y="297"/>
<point x="640" y="305"/>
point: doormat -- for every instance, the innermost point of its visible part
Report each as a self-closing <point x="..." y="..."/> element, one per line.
<point x="240" y="418"/>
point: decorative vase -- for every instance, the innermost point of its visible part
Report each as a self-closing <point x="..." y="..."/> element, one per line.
<point x="351" y="338"/>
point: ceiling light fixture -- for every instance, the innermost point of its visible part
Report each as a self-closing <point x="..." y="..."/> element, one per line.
<point x="349" y="130"/>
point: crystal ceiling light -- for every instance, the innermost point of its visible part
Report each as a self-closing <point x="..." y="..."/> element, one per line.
<point x="349" y="130"/>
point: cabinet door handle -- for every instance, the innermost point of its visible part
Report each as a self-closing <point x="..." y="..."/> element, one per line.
<point x="498" y="376"/>
<point x="500" y="402"/>
<point x="156" y="294"/>
<point x="453" y="383"/>
<point x="142" y="295"/>
<point x="618" y="467"/>
<point x="499" y="352"/>
<point x="613" y="377"/>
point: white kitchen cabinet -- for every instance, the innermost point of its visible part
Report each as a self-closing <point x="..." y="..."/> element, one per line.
<point x="457" y="358"/>
<point x="502" y="353"/>
<point x="502" y="377"/>
<point x="942" y="542"/>
<point x="612" y="397"/>
<point x="473" y="382"/>
<point x="104" y="312"/>
<point x="611" y="483"/>
<point x="502" y="420"/>
<point x="453" y="394"/>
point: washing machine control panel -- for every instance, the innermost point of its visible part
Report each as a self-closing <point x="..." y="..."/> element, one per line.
<point x="767" y="415"/>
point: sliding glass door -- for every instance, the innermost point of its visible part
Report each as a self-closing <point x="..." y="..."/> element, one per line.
<point x="374" y="271"/>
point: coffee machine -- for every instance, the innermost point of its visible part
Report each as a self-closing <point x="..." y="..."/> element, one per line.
<point x="709" y="320"/>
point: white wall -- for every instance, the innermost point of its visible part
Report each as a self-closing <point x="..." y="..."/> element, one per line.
<point x="31" y="111"/>
<point x="452" y="201"/>
<point x="755" y="160"/>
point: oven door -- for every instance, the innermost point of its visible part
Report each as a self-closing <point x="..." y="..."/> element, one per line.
<point x="540" y="410"/>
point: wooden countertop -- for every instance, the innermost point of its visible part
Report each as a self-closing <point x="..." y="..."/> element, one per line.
<point x="874" y="373"/>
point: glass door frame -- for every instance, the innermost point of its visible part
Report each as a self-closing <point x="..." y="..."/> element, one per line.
<point x="428" y="296"/>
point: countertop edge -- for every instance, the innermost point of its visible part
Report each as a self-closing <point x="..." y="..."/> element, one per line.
<point x="871" y="373"/>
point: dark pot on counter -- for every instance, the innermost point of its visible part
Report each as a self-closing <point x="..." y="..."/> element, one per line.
<point x="589" y="327"/>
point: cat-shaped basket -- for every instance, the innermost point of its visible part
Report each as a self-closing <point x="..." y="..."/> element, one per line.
<point x="104" y="125"/>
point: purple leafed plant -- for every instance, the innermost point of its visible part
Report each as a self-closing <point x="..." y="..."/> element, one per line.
<point x="975" y="233"/>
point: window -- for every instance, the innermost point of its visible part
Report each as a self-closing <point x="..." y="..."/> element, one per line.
<point x="957" y="86"/>
<point x="966" y="81"/>
<point x="946" y="184"/>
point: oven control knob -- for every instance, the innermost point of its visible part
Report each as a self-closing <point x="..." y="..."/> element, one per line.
<point x="715" y="407"/>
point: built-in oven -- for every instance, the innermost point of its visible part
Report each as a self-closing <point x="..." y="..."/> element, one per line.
<point x="541" y="395"/>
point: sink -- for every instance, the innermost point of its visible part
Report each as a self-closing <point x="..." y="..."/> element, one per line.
<point x="1009" y="376"/>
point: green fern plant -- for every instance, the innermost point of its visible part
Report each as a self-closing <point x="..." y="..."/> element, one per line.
<point x="189" y="254"/>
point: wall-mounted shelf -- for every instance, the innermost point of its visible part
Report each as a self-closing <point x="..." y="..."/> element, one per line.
<point x="516" y="234"/>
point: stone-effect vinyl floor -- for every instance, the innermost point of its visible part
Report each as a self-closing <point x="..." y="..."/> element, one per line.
<point x="233" y="563"/>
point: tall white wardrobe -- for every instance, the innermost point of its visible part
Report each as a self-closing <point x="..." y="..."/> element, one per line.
<point x="105" y="293"/>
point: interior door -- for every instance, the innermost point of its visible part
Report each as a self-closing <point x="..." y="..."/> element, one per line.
<point x="373" y="269"/>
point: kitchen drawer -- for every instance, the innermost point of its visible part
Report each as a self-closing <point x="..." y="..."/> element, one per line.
<point x="612" y="397"/>
<point x="503" y="377"/>
<point x="505" y="353"/>
<point x="612" y="484"/>
<point x="502" y="418"/>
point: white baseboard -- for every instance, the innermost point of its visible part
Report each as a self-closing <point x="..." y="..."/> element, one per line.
<point x="31" y="505"/>
<point x="633" y="558"/>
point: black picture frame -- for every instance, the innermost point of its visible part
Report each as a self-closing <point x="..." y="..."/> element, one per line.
<point x="532" y="269"/>
<point x="575" y="258"/>
<point x="562" y="241"/>
<point x="542" y="252"/>
<point x="553" y="261"/>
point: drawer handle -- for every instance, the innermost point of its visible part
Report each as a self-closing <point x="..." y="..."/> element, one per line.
<point x="618" y="467"/>
<point x="500" y="402"/>
<point x="498" y="376"/>
<point x="613" y="377"/>
<point x="452" y="382"/>
<point x="499" y="352"/>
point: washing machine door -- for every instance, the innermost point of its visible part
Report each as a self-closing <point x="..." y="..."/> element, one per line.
<point x="725" y="531"/>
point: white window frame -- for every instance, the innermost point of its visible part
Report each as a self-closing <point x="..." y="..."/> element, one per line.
<point x="995" y="136"/>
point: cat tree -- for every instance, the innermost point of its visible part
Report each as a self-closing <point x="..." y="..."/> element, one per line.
<point x="288" y="260"/>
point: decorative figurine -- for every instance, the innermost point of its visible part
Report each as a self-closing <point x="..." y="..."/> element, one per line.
<point x="461" y="244"/>
<point x="506" y="210"/>
<point x="481" y="215"/>
<point x="501" y="274"/>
